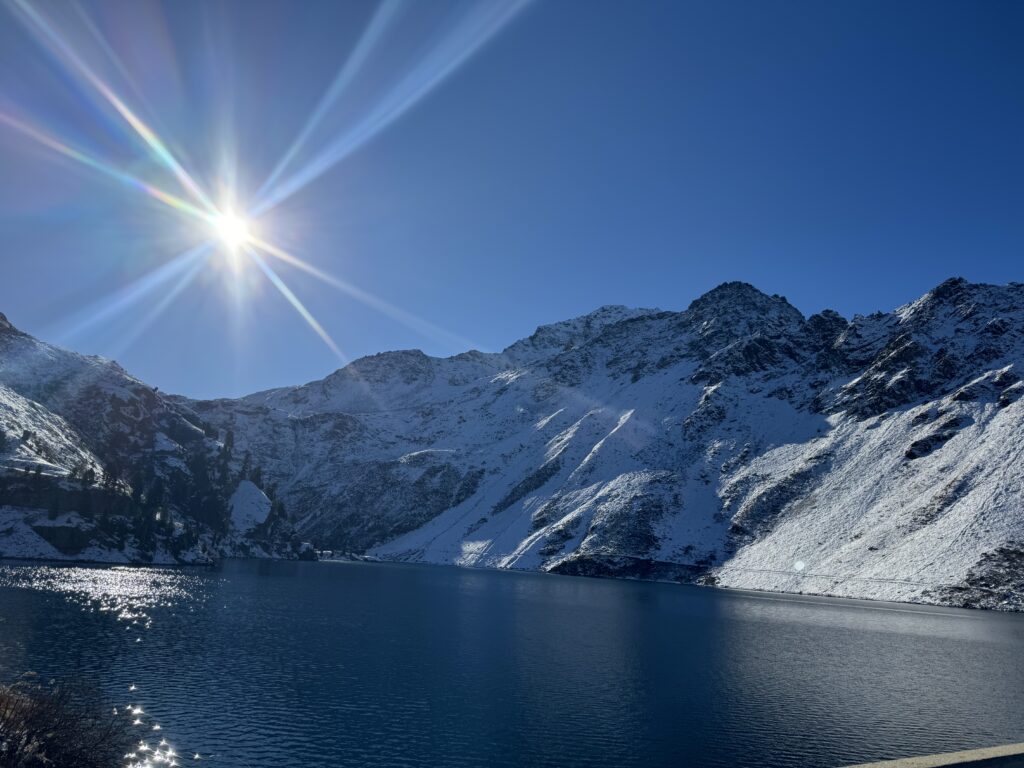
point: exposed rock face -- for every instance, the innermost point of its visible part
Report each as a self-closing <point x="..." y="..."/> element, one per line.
<point x="723" y="443"/>
<point x="122" y="472"/>
<point x="727" y="443"/>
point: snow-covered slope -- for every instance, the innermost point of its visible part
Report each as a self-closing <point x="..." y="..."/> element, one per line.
<point x="249" y="507"/>
<point x="736" y="442"/>
<point x="96" y="465"/>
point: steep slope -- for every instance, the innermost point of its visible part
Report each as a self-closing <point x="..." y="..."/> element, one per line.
<point x="96" y="465"/>
<point x="736" y="442"/>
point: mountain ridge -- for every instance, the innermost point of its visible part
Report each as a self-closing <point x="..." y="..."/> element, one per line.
<point x="724" y="443"/>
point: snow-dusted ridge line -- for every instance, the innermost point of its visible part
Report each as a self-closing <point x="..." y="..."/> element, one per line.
<point x="737" y="442"/>
<point x="97" y="466"/>
<point x="751" y="433"/>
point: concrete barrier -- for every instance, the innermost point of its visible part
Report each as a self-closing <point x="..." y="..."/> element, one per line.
<point x="1007" y="756"/>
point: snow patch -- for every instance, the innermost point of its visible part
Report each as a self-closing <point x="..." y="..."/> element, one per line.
<point x="249" y="506"/>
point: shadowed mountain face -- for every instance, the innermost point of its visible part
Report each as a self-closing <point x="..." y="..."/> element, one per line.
<point x="96" y="465"/>
<point x="735" y="442"/>
<point x="727" y="442"/>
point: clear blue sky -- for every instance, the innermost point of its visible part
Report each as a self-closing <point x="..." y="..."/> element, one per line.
<point x="845" y="154"/>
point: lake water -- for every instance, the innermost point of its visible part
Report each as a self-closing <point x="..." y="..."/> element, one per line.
<point x="353" y="664"/>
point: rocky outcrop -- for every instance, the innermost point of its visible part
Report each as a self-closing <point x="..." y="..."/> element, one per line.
<point x="735" y="442"/>
<point x="119" y="471"/>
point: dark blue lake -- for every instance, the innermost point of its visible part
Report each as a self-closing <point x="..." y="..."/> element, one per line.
<point x="350" y="664"/>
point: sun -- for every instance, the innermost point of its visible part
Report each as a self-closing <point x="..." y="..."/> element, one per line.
<point x="232" y="230"/>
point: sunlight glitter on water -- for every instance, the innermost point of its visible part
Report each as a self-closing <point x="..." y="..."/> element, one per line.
<point x="146" y="756"/>
<point x="130" y="595"/>
<point x="127" y="592"/>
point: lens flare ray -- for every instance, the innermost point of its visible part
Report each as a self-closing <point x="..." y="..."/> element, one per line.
<point x="52" y="41"/>
<point x="199" y="256"/>
<point x="226" y="223"/>
<point x="476" y="29"/>
<point x="383" y="17"/>
<point x="415" y="323"/>
<point x="296" y="303"/>
<point x="107" y="49"/>
<point x="143" y="288"/>
<point x="58" y="146"/>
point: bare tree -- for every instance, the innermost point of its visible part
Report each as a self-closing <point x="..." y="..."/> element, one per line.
<point x="58" y="727"/>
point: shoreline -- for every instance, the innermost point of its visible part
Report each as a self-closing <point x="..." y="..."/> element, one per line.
<point x="350" y="559"/>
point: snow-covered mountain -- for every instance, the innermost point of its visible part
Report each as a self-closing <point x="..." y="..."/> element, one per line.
<point x="96" y="465"/>
<point x="736" y="442"/>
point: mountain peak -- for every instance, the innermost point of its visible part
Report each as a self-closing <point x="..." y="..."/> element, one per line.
<point x="949" y="290"/>
<point x="734" y="288"/>
<point x="737" y="292"/>
<point x="942" y="297"/>
<point x="559" y="336"/>
<point x="407" y="364"/>
<point x="610" y="311"/>
<point x="604" y="315"/>
<point x="730" y="301"/>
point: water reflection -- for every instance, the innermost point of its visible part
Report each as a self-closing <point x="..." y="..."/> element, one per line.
<point x="873" y="681"/>
<point x="348" y="664"/>
<point x="128" y="595"/>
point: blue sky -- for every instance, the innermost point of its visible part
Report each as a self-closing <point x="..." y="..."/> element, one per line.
<point x="845" y="154"/>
